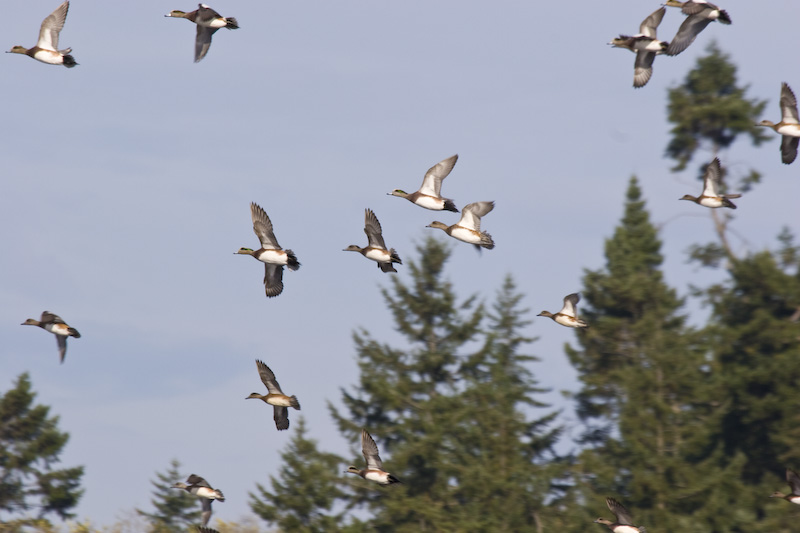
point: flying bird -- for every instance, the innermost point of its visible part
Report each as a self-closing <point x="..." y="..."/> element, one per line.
<point x="711" y="196"/>
<point x="623" y="523"/>
<point x="374" y="470"/>
<point x="46" y="49"/>
<point x="271" y="254"/>
<point x="201" y="488"/>
<point x="645" y="45"/>
<point x="55" y="325"/>
<point x="699" y="15"/>
<point x="376" y="247"/>
<point x="208" y="21"/>
<point x="468" y="228"/>
<point x="429" y="194"/>
<point x="275" y="397"/>
<point x="788" y="127"/>
<point x="568" y="314"/>
<point x="794" y="483"/>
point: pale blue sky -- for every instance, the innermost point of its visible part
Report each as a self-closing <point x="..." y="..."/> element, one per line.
<point x="127" y="181"/>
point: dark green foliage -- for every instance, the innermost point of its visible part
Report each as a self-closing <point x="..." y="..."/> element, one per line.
<point x="711" y="108"/>
<point x="448" y="412"/>
<point x="303" y="496"/>
<point x="30" y="444"/>
<point x="175" y="509"/>
<point x="756" y="345"/>
<point x="647" y="391"/>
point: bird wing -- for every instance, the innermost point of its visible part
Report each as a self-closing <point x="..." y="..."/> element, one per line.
<point x="373" y="230"/>
<point x="788" y="106"/>
<point x="62" y="346"/>
<point x="649" y="25"/>
<point x="370" y="451"/>
<point x="693" y="8"/>
<point x="51" y="318"/>
<point x="194" y="479"/>
<point x="794" y="481"/>
<point x="711" y="179"/>
<point x="789" y="148"/>
<point x="51" y="27"/>
<point x="273" y="279"/>
<point x="262" y="226"/>
<point x="203" y="41"/>
<point x="268" y="378"/>
<point x="571" y="305"/>
<point x="472" y="213"/>
<point x="281" y="417"/>
<point x="206" y="503"/>
<point x="432" y="182"/>
<point x="622" y="514"/>
<point x="687" y="33"/>
<point x="643" y="67"/>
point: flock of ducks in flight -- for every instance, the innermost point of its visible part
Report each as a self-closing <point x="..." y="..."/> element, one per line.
<point x="645" y="45"/>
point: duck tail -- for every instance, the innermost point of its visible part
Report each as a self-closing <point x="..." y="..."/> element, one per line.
<point x="487" y="241"/>
<point x="294" y="403"/>
<point x="231" y="23"/>
<point x="74" y="332"/>
<point x="393" y="479"/>
<point x="219" y="496"/>
<point x="724" y="17"/>
<point x="292" y="263"/>
<point x="395" y="257"/>
<point x="69" y="61"/>
<point x="449" y="205"/>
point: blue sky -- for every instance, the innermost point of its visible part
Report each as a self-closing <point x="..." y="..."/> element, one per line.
<point x="127" y="182"/>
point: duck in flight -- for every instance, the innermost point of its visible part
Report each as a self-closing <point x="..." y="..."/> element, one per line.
<point x="568" y="314"/>
<point x="788" y="127"/>
<point x="376" y="247"/>
<point x="208" y="22"/>
<point x="645" y="45"/>
<point x="55" y="325"/>
<point x="429" y="194"/>
<point x="711" y="197"/>
<point x="46" y="49"/>
<point x="374" y="470"/>
<point x="275" y="397"/>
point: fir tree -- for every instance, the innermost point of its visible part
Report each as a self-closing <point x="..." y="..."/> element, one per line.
<point x="646" y="394"/>
<point x="307" y="489"/>
<point x="446" y="411"/>
<point x="175" y="510"/>
<point x="30" y="443"/>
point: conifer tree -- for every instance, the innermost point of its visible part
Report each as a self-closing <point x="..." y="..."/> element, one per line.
<point x="710" y="110"/>
<point x="175" y="510"/>
<point x="506" y="461"/>
<point x="446" y="411"/>
<point x="754" y="333"/>
<point x="647" y="395"/>
<point x="303" y="495"/>
<point x="30" y="443"/>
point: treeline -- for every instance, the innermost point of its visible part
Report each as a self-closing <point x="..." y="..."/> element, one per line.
<point x="692" y="428"/>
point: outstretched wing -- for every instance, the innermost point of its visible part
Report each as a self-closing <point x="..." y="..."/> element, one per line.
<point x="52" y="26"/>
<point x="268" y="378"/>
<point x="370" y="451"/>
<point x="432" y="183"/>
<point x="373" y="230"/>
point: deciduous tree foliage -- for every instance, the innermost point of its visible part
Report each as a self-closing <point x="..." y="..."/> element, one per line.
<point x="30" y="445"/>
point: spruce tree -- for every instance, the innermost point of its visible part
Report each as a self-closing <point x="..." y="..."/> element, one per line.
<point x="448" y="410"/>
<point x="710" y="110"/>
<point x="647" y="397"/>
<point x="306" y="490"/>
<point x="506" y="461"/>
<point x="30" y="444"/>
<point x="756" y="356"/>
<point x="175" y="510"/>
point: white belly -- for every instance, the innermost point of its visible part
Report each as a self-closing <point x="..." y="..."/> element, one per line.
<point x="466" y="235"/>
<point x="711" y="202"/>
<point x="792" y="130"/>
<point x="48" y="56"/>
<point x="280" y="402"/>
<point x="626" y="529"/>
<point x="567" y="321"/>
<point x="428" y="202"/>
<point x="378" y="477"/>
<point x="273" y="257"/>
<point x="381" y="256"/>
<point x="58" y="329"/>
<point x="216" y="23"/>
